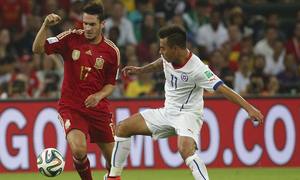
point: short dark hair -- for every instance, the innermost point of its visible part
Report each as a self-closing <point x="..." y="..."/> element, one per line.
<point x="176" y="35"/>
<point x="94" y="8"/>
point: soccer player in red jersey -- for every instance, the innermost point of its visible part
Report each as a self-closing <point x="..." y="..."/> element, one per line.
<point x="91" y="63"/>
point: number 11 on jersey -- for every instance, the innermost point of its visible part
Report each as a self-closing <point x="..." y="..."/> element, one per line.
<point x="174" y="81"/>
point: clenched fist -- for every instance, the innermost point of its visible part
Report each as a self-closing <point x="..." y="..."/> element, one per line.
<point x="52" y="19"/>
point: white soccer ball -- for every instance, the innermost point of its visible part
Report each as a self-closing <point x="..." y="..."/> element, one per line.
<point x="50" y="162"/>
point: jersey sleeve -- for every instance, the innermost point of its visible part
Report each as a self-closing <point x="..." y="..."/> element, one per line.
<point x="112" y="71"/>
<point x="57" y="44"/>
<point x="206" y="79"/>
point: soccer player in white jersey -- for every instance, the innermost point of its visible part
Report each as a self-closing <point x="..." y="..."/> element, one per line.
<point x="186" y="78"/>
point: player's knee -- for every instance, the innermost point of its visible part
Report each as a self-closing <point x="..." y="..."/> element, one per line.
<point x="79" y="150"/>
<point x="122" y="130"/>
<point x="186" y="150"/>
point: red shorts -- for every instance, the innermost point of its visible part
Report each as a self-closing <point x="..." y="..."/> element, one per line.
<point x="99" y="129"/>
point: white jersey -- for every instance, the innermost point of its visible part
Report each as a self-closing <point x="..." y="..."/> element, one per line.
<point x="184" y="86"/>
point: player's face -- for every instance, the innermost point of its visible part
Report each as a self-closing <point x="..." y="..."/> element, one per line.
<point x="92" y="26"/>
<point x="169" y="53"/>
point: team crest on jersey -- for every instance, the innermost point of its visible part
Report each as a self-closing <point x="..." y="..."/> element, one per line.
<point x="99" y="63"/>
<point x="184" y="77"/>
<point x="75" y="54"/>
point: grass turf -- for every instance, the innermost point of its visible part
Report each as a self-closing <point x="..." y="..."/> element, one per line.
<point x="176" y="174"/>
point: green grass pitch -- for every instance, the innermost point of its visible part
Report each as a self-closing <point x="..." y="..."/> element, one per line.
<point x="176" y="174"/>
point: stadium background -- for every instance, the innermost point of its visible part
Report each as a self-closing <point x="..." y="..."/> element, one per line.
<point x="255" y="51"/>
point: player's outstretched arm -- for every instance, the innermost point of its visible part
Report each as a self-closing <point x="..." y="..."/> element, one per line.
<point x="39" y="41"/>
<point x="234" y="97"/>
<point x="155" y="66"/>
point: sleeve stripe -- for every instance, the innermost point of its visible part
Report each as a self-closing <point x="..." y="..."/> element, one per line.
<point x="111" y="44"/>
<point x="219" y="83"/>
<point x="63" y="34"/>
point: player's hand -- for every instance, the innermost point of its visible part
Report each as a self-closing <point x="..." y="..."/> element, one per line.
<point x="52" y="19"/>
<point x="131" y="70"/>
<point x="256" y="116"/>
<point x="92" y="100"/>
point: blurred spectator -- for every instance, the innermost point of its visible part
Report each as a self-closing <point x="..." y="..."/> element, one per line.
<point x="258" y="79"/>
<point x="75" y="14"/>
<point x="217" y="62"/>
<point x="129" y="5"/>
<point x="237" y="17"/>
<point x="247" y="46"/>
<point x="234" y="43"/>
<point x="211" y="36"/>
<point x="108" y="7"/>
<point x="197" y="17"/>
<point x="114" y="34"/>
<point x="28" y="67"/>
<point x="274" y="64"/>
<point x="129" y="54"/>
<point x="138" y="15"/>
<point x="26" y="38"/>
<point x="272" y="20"/>
<point x="242" y="76"/>
<point x="50" y="6"/>
<point x="260" y="83"/>
<point x="7" y="53"/>
<point x="170" y="7"/>
<point x="141" y="87"/>
<point x="119" y="19"/>
<point x="264" y="46"/>
<point x="50" y="77"/>
<point x="293" y="45"/>
<point x="149" y="37"/>
<point x="219" y="65"/>
<point x="130" y="59"/>
<point x="289" y="79"/>
<point x="256" y="85"/>
<point x="18" y="85"/>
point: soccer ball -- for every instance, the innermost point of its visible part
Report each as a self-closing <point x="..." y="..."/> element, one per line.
<point x="50" y="162"/>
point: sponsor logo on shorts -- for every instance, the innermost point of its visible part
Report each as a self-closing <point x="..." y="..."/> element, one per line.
<point x="67" y="124"/>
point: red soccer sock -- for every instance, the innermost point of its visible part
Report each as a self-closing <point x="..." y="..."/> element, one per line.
<point x="83" y="168"/>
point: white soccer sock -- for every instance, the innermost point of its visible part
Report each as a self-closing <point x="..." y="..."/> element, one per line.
<point x="119" y="155"/>
<point x="197" y="166"/>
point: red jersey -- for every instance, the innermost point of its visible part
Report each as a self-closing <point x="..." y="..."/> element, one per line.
<point x="87" y="69"/>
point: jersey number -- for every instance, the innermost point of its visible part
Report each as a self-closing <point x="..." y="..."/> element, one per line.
<point x="84" y="72"/>
<point x="173" y="81"/>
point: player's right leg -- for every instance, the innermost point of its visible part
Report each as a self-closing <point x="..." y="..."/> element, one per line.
<point x="76" y="129"/>
<point x="187" y="150"/>
<point x="78" y="146"/>
<point x="134" y="125"/>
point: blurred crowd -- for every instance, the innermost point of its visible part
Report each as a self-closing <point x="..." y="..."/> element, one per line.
<point x="252" y="47"/>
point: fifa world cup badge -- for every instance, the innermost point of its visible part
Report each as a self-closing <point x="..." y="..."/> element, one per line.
<point x="99" y="63"/>
<point x="75" y="54"/>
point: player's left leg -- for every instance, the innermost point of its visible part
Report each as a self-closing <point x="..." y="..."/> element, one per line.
<point x="134" y="125"/>
<point x="106" y="149"/>
<point x="187" y="149"/>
